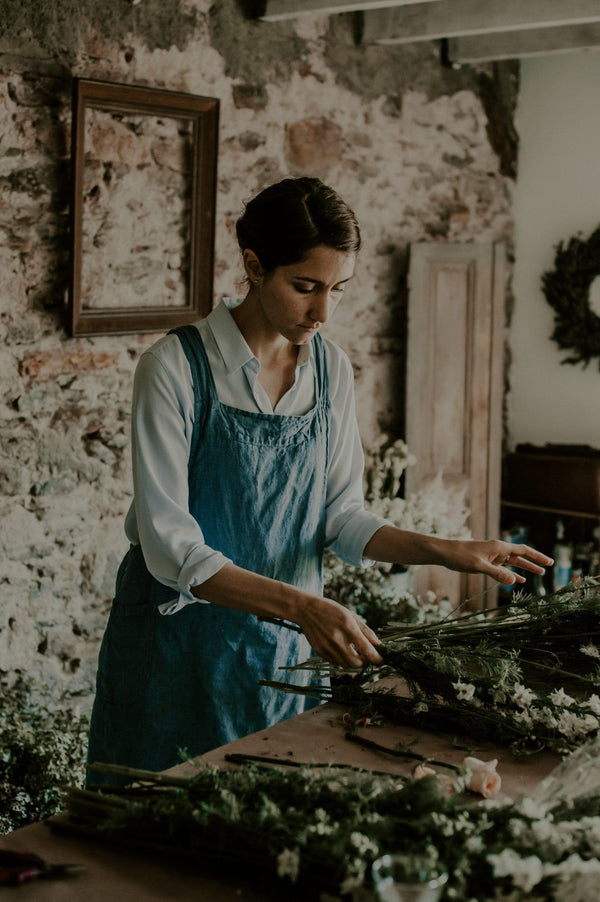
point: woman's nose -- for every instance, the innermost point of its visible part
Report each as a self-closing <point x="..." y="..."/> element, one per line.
<point x="319" y="311"/>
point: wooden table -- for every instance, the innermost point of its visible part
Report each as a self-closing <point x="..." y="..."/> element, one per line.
<point x="112" y="875"/>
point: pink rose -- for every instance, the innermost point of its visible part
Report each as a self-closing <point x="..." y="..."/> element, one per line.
<point x="483" y="776"/>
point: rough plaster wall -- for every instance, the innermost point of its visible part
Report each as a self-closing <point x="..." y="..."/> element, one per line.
<point x="421" y="152"/>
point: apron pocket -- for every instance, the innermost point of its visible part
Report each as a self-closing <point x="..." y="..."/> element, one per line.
<point x="126" y="653"/>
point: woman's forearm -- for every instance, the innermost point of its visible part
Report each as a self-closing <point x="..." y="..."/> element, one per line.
<point x="491" y="557"/>
<point x="334" y="632"/>
<point x="234" y="587"/>
<point x="399" y="546"/>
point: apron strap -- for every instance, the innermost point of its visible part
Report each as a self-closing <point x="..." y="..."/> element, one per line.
<point x="321" y="378"/>
<point x="202" y="378"/>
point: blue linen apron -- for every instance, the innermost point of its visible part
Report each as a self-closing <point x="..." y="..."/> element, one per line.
<point x="188" y="682"/>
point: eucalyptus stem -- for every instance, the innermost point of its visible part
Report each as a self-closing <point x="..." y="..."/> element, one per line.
<point x="398" y="753"/>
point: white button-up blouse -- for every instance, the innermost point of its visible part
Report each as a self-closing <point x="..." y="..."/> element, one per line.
<point x="162" y="423"/>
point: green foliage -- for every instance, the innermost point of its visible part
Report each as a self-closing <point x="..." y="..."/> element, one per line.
<point x="567" y="286"/>
<point x="40" y="751"/>
<point x="497" y="674"/>
<point x="319" y="829"/>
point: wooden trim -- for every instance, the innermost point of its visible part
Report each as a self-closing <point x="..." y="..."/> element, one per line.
<point x="496" y="364"/>
<point x="518" y="44"/>
<point x="458" y="18"/>
<point x="279" y="10"/>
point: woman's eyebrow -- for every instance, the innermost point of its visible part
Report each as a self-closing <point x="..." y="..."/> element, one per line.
<point x="318" y="281"/>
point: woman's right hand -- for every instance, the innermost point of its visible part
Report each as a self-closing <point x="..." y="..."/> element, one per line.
<point x="336" y="634"/>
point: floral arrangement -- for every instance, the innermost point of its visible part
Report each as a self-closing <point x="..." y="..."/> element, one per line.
<point x="321" y="828"/>
<point x="40" y="750"/>
<point x="498" y="674"/>
<point x="379" y="593"/>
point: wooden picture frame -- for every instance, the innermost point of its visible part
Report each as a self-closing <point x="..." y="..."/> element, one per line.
<point x="142" y="209"/>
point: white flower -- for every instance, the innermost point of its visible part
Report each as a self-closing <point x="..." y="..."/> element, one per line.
<point x="593" y="703"/>
<point x="321" y="829"/>
<point x="523" y="718"/>
<point x="544" y="831"/>
<point x="579" y="878"/>
<point x="591" y="828"/>
<point x="532" y="809"/>
<point x="546" y="716"/>
<point x="560" y="698"/>
<point x="522" y="696"/>
<point x="362" y="843"/>
<point x="464" y="691"/>
<point x="591" y="650"/>
<point x="571" y="726"/>
<point x="445" y="824"/>
<point x="288" y="864"/>
<point x="524" y="872"/>
<point x="474" y="844"/>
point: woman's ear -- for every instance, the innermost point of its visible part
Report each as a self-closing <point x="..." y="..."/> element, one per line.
<point x="253" y="267"/>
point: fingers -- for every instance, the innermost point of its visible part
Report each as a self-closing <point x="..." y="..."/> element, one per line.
<point x="365" y="644"/>
<point x="351" y="648"/>
<point x="504" y="576"/>
<point x="338" y="635"/>
<point x="368" y="632"/>
<point x="522" y="557"/>
<point x="529" y="559"/>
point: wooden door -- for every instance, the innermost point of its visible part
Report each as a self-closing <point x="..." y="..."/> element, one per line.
<point x="455" y="389"/>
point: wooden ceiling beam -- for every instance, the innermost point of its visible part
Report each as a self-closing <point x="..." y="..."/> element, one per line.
<point x="459" y="18"/>
<point x="278" y="10"/>
<point x="519" y="44"/>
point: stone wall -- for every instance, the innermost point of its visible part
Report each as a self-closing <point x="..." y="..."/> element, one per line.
<point x="420" y="151"/>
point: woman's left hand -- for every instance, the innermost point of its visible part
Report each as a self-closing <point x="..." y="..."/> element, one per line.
<point x="493" y="558"/>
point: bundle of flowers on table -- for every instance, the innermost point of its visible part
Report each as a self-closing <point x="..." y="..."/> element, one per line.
<point x="525" y="675"/>
<point x="318" y="830"/>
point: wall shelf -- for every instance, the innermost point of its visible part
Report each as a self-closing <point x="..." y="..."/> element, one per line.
<point x="590" y="515"/>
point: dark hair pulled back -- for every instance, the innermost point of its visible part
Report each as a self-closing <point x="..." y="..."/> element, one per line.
<point x="286" y="220"/>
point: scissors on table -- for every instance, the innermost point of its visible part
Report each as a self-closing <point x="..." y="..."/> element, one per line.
<point x="17" y="868"/>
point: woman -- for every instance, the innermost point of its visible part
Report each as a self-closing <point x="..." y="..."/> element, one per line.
<point x="247" y="464"/>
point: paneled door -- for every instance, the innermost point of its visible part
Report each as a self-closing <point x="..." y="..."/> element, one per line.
<point x="454" y="391"/>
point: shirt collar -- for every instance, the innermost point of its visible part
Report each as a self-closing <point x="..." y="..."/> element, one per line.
<point x="231" y="343"/>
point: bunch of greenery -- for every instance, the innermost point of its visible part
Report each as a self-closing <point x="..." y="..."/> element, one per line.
<point x="320" y="829"/>
<point x="498" y="674"/>
<point x="41" y="750"/>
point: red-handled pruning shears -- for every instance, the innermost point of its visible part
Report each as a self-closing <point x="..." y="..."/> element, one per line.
<point x="17" y="868"/>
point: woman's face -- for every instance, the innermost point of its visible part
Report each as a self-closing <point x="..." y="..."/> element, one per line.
<point x="296" y="300"/>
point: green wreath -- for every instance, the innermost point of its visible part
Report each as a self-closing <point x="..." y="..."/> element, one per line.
<point x="567" y="288"/>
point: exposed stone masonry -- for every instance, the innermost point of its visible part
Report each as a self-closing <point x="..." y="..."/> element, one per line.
<point x="408" y="143"/>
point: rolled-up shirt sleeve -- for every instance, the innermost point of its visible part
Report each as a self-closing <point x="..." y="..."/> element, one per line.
<point x="348" y="525"/>
<point x="162" y="422"/>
